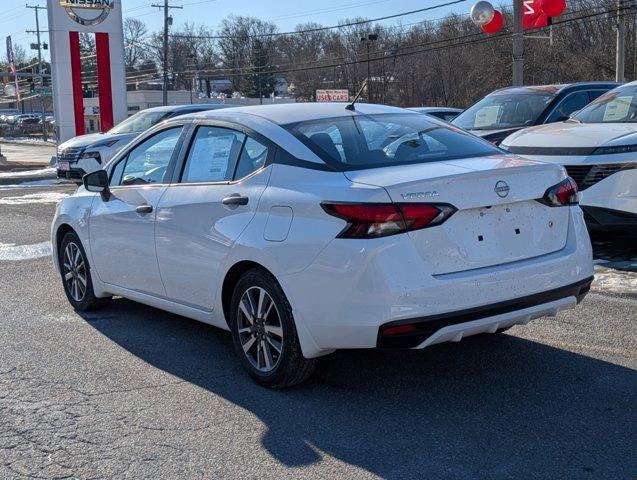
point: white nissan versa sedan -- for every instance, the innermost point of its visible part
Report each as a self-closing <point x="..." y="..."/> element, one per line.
<point x="309" y="228"/>
<point x="598" y="148"/>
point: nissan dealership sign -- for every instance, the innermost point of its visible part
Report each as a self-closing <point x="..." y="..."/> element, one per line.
<point x="102" y="19"/>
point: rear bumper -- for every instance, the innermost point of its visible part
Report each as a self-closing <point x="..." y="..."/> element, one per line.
<point x="453" y="326"/>
<point x="354" y="287"/>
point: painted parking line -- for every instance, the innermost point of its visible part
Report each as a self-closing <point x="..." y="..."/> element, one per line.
<point x="13" y="252"/>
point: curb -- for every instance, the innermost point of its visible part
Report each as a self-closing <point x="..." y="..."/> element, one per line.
<point x="19" y="180"/>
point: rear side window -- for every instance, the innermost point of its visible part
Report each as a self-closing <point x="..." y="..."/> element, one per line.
<point x="253" y="157"/>
<point x="367" y="141"/>
<point x="213" y="155"/>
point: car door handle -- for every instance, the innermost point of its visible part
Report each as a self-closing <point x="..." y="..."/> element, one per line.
<point x="144" y="209"/>
<point x="235" y="200"/>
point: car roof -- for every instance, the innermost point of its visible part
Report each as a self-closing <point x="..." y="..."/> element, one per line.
<point x="286" y="113"/>
<point x="435" y="109"/>
<point x="188" y="107"/>
<point x="555" y="88"/>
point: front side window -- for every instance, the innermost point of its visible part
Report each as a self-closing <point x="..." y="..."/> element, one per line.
<point x="570" y="104"/>
<point x="213" y="155"/>
<point x="617" y="106"/>
<point x="138" y="123"/>
<point x="387" y="139"/>
<point x="505" y="109"/>
<point x="148" y="162"/>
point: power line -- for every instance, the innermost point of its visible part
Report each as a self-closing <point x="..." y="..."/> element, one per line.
<point x="469" y="39"/>
<point x="321" y="29"/>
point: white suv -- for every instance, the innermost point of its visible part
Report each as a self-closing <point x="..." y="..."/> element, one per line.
<point x="86" y="153"/>
<point x="309" y="228"/>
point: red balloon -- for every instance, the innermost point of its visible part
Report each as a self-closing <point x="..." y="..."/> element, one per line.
<point x="496" y="23"/>
<point x="553" y="8"/>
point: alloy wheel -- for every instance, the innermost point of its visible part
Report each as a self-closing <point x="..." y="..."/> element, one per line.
<point x="74" y="271"/>
<point x="260" y="330"/>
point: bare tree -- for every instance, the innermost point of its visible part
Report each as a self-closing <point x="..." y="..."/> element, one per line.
<point x="136" y="52"/>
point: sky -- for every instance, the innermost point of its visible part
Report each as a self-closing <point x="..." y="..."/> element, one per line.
<point x="16" y="18"/>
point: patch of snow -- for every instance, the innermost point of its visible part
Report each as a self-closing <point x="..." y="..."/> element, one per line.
<point x="12" y="252"/>
<point x="42" y="197"/>
<point x="34" y="183"/>
<point x="43" y="172"/>
<point x="615" y="281"/>
<point x="27" y="141"/>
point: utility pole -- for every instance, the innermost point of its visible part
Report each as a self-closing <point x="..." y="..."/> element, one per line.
<point x="372" y="37"/>
<point x="620" y="53"/>
<point x="518" y="45"/>
<point x="168" y="20"/>
<point x="37" y="9"/>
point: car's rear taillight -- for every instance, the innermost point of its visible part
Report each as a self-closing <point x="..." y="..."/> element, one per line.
<point x="371" y="220"/>
<point x="564" y="193"/>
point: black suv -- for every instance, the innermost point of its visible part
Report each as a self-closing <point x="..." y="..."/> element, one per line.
<point x="508" y="110"/>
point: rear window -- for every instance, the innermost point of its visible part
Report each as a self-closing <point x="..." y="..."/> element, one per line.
<point x="368" y="141"/>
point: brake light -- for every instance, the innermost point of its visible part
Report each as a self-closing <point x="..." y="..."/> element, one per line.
<point x="564" y="193"/>
<point x="372" y="220"/>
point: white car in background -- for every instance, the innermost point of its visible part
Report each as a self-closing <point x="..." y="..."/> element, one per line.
<point x="306" y="228"/>
<point x="86" y="153"/>
<point x="598" y="148"/>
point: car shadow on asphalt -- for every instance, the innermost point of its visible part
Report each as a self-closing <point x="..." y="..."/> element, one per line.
<point x="494" y="406"/>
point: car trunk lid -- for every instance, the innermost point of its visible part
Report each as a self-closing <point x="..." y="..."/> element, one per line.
<point x="499" y="219"/>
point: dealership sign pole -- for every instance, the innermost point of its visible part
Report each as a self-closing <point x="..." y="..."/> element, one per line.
<point x="527" y="15"/>
<point x="67" y="20"/>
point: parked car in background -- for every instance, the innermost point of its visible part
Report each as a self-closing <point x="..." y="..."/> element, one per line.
<point x="505" y="111"/>
<point x="598" y="148"/>
<point x="443" y="113"/>
<point x="306" y="228"/>
<point x="6" y="113"/>
<point x="87" y="153"/>
<point x="49" y="119"/>
<point x="12" y="119"/>
<point x="28" y="119"/>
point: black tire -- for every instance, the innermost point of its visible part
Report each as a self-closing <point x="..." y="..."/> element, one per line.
<point x="87" y="301"/>
<point x="291" y="366"/>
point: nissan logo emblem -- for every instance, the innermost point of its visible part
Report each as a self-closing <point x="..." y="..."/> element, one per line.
<point x="502" y="188"/>
<point x="88" y="12"/>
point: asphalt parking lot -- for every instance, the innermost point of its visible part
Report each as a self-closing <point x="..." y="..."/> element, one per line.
<point x="133" y="392"/>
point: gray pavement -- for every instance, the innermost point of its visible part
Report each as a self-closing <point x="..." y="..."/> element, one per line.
<point x="134" y="392"/>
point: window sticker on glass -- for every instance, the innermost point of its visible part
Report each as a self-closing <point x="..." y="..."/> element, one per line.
<point x="487" y="116"/>
<point x="617" y="109"/>
<point x="213" y="155"/>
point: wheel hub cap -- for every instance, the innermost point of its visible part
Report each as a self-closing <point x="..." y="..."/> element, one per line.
<point x="260" y="330"/>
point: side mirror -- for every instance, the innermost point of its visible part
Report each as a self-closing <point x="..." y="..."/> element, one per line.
<point x="97" y="182"/>
<point x="573" y="113"/>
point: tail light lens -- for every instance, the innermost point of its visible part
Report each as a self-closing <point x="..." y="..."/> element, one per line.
<point x="564" y="193"/>
<point x="372" y="220"/>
